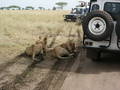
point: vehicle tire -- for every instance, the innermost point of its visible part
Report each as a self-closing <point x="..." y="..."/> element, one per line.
<point x="94" y="55"/>
<point x="118" y="28"/>
<point x="98" y="25"/>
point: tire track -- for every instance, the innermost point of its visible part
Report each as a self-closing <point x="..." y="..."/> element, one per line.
<point x="38" y="73"/>
<point x="11" y="84"/>
<point x="52" y="79"/>
<point x="45" y="82"/>
<point x="8" y="64"/>
<point x="23" y="80"/>
<point x="57" y="83"/>
<point x="15" y="69"/>
<point x="82" y="60"/>
<point x="55" y="78"/>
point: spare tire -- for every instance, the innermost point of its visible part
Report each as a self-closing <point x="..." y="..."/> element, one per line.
<point x="98" y="25"/>
<point x="118" y="28"/>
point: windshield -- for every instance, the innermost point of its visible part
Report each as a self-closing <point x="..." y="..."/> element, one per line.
<point x="80" y="10"/>
<point x="77" y="11"/>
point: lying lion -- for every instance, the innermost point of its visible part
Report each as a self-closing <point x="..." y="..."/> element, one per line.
<point x="69" y="46"/>
<point x="38" y="48"/>
<point x="64" y="51"/>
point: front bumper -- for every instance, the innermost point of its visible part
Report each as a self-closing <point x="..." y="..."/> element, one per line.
<point x="70" y="17"/>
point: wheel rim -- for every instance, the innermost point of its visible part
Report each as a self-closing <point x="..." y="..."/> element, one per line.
<point x="97" y="25"/>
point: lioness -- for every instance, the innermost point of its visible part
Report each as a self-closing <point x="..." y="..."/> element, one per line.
<point x="69" y="46"/>
<point x="64" y="51"/>
<point x="38" y="48"/>
<point x="61" y="53"/>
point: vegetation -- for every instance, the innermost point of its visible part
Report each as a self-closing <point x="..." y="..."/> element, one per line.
<point x="29" y="8"/>
<point x="41" y="8"/>
<point x="18" y="29"/>
<point x="3" y="8"/>
<point x="61" y="4"/>
<point x="14" y="6"/>
<point x="54" y="8"/>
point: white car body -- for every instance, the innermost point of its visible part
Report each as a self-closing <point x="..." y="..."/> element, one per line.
<point x="107" y="45"/>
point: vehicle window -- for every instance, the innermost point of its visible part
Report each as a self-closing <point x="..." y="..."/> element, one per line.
<point x="80" y="11"/>
<point x="93" y="0"/>
<point x="77" y="11"/>
<point x="112" y="8"/>
<point x="73" y="11"/>
<point x="95" y="7"/>
<point x="86" y="10"/>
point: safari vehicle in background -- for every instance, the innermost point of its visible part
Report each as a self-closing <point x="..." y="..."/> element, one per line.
<point x="76" y="12"/>
<point x="101" y="28"/>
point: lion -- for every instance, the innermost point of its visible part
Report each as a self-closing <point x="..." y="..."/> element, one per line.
<point x="38" y="48"/>
<point x="69" y="46"/>
<point x="63" y="51"/>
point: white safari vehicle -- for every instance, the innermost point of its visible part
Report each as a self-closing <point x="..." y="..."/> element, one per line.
<point x="101" y="28"/>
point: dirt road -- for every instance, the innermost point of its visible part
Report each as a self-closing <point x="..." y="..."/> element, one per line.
<point x="104" y="75"/>
<point x="75" y="74"/>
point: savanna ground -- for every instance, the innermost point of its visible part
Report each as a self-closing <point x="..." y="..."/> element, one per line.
<point x="19" y="29"/>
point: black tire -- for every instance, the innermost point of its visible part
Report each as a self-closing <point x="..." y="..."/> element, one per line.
<point x="118" y="28"/>
<point x="101" y="15"/>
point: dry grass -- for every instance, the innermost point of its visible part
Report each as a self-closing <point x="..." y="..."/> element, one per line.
<point x="18" y="29"/>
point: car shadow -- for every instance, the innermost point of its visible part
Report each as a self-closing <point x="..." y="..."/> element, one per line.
<point x="108" y="63"/>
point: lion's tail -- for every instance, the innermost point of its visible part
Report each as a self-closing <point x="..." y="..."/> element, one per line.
<point x="65" y="57"/>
